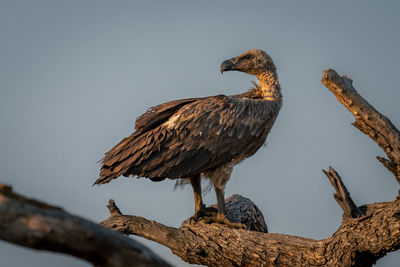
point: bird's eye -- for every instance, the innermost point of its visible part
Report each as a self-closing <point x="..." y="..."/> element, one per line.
<point x="247" y="57"/>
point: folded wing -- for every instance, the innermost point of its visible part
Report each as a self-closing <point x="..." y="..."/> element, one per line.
<point x="187" y="137"/>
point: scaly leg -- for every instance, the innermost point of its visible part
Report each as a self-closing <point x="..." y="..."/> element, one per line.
<point x="220" y="218"/>
<point x="200" y="209"/>
<point x="220" y="200"/>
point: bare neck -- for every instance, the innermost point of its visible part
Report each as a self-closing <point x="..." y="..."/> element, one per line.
<point x="270" y="87"/>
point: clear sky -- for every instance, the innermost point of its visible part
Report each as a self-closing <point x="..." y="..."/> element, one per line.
<point x="76" y="74"/>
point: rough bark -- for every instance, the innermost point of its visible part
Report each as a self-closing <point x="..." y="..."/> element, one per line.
<point x="342" y="196"/>
<point x="368" y="119"/>
<point x="34" y="224"/>
<point x="358" y="242"/>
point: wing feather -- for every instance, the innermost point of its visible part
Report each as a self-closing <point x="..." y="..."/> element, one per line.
<point x="156" y="115"/>
<point x="197" y="135"/>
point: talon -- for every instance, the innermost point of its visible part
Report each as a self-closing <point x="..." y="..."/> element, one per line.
<point x="203" y="212"/>
<point x="191" y="219"/>
<point x="221" y="219"/>
<point x="242" y="226"/>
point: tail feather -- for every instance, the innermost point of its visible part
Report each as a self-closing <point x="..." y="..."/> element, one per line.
<point x="106" y="175"/>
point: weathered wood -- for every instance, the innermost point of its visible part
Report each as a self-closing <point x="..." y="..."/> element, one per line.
<point x="390" y="166"/>
<point x="34" y="224"/>
<point x="368" y="119"/>
<point x="342" y="196"/>
<point x="358" y="242"/>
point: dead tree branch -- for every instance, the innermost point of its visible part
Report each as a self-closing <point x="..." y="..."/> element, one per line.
<point x="358" y="242"/>
<point x="368" y="119"/>
<point x="342" y="196"/>
<point x="33" y="224"/>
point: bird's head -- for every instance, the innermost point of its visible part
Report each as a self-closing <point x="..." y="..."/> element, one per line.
<point x="253" y="61"/>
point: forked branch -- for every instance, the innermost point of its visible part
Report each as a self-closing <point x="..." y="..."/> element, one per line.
<point x="368" y="119"/>
<point x="358" y="242"/>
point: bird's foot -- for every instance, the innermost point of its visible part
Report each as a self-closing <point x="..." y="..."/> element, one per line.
<point x="220" y="218"/>
<point x="203" y="212"/>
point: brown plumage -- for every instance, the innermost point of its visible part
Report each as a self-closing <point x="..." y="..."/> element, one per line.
<point x="196" y="137"/>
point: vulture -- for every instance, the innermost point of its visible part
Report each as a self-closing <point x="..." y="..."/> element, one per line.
<point x="192" y="138"/>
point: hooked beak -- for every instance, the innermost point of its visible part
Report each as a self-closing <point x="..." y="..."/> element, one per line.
<point x="227" y="65"/>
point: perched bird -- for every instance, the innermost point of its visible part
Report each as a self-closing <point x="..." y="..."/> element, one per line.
<point x="201" y="137"/>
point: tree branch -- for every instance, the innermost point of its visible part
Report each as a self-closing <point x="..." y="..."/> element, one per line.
<point x="358" y="242"/>
<point x="184" y="241"/>
<point x="368" y="119"/>
<point x="342" y="196"/>
<point x="212" y="244"/>
<point x="31" y="223"/>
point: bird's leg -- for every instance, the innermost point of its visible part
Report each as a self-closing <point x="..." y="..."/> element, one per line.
<point x="200" y="209"/>
<point x="220" y="200"/>
<point x="220" y="217"/>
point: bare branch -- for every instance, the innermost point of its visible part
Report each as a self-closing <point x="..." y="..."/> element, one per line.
<point x="148" y="229"/>
<point x="37" y="225"/>
<point x="213" y="244"/>
<point x="342" y="196"/>
<point x="358" y="242"/>
<point x="368" y="119"/>
<point x="239" y="209"/>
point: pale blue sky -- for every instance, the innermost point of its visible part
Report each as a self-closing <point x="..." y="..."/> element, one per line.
<point x="76" y="74"/>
